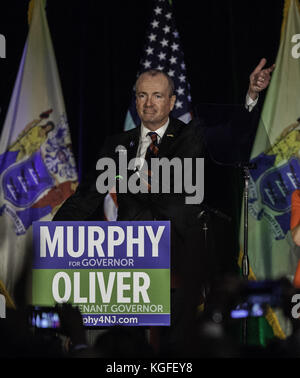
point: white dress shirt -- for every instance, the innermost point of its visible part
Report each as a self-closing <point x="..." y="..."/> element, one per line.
<point x="145" y="141"/>
<point x="250" y="103"/>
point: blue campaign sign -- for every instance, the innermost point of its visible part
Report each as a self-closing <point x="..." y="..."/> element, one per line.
<point x="115" y="272"/>
<point x="59" y="245"/>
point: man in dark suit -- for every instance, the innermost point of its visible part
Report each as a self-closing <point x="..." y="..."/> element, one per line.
<point x="159" y="136"/>
<point x="154" y="100"/>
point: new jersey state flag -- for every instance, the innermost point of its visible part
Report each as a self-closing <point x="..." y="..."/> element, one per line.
<point x="37" y="167"/>
<point x="276" y="153"/>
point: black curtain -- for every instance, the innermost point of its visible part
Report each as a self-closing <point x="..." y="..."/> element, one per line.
<point x="98" y="46"/>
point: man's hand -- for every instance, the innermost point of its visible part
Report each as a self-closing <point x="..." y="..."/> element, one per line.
<point x="259" y="79"/>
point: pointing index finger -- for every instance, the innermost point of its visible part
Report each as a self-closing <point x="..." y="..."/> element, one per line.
<point x="260" y="65"/>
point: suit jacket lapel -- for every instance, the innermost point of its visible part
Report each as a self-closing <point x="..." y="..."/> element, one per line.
<point x="132" y="143"/>
<point x="169" y="138"/>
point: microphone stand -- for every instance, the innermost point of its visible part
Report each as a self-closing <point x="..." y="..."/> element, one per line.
<point x="245" y="166"/>
<point x="205" y="215"/>
<point x="245" y="259"/>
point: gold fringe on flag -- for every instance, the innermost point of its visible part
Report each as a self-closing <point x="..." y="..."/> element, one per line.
<point x="286" y="8"/>
<point x="9" y="301"/>
<point x="30" y="10"/>
<point x="270" y="315"/>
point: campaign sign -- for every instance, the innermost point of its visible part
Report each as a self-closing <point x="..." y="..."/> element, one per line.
<point x="117" y="273"/>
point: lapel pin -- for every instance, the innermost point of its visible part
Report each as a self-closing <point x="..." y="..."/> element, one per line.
<point x="170" y="135"/>
<point x="131" y="144"/>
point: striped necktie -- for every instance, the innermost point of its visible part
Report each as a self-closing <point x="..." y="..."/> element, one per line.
<point x="152" y="152"/>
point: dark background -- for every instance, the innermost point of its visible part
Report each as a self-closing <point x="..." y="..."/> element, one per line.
<point x="98" y="46"/>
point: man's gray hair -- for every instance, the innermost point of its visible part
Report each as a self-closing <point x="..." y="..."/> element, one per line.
<point x="155" y="72"/>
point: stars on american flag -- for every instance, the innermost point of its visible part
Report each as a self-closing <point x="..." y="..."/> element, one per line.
<point x="180" y="91"/>
<point x="164" y="42"/>
<point x="163" y="51"/>
<point x="157" y="10"/>
<point x="162" y="56"/>
<point x="178" y="104"/>
<point x="152" y="37"/>
<point x="147" y="64"/>
<point x="155" y="24"/>
<point x="174" y="46"/>
<point x="149" y="50"/>
<point x="181" y="78"/>
<point x="166" y="29"/>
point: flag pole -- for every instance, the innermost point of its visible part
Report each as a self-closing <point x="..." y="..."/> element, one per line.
<point x="245" y="259"/>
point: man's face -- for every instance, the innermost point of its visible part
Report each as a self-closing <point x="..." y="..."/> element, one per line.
<point x="153" y="101"/>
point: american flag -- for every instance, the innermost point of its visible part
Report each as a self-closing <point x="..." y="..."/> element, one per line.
<point x="162" y="51"/>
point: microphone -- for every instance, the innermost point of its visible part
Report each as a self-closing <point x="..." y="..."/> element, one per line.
<point x="121" y="150"/>
<point x="246" y="165"/>
<point x="218" y="213"/>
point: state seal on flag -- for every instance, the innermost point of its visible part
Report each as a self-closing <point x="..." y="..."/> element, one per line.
<point x="37" y="172"/>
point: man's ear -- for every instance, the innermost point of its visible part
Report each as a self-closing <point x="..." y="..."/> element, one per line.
<point x="173" y="100"/>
